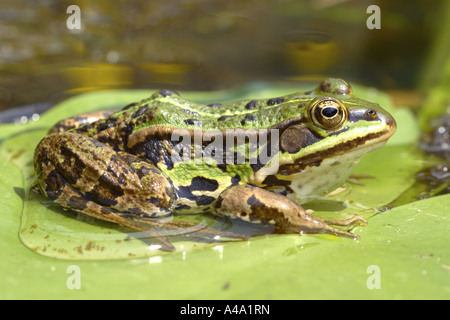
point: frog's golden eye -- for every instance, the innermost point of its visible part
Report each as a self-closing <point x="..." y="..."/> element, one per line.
<point x="328" y="113"/>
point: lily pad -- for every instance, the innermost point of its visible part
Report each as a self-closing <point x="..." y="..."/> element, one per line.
<point x="403" y="253"/>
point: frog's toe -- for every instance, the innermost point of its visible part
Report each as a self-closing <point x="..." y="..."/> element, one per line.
<point x="351" y="222"/>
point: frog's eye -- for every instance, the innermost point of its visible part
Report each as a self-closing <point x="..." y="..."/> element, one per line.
<point x="328" y="113"/>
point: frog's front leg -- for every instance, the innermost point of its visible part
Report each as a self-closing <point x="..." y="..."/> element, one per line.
<point x="85" y="175"/>
<point x="252" y="203"/>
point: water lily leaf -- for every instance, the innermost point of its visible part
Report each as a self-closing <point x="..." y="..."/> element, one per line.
<point x="403" y="253"/>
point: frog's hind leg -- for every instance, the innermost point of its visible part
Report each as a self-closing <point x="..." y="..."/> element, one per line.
<point x="70" y="198"/>
<point x="254" y="204"/>
<point x="83" y="174"/>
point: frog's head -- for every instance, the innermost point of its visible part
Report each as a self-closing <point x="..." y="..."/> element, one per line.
<point x="335" y="131"/>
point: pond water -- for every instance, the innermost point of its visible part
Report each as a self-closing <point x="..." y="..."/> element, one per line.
<point x="205" y="45"/>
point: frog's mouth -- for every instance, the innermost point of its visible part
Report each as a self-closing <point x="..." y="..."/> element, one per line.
<point x="350" y="149"/>
<point x="322" y="176"/>
<point x="339" y="154"/>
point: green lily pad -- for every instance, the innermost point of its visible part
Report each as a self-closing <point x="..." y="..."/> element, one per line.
<point x="403" y="253"/>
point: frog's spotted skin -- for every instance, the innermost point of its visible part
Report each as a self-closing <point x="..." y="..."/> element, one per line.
<point x="120" y="167"/>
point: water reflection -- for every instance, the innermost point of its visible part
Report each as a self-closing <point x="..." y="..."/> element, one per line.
<point x="204" y="45"/>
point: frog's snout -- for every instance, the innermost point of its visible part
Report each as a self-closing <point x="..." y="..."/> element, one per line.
<point x="389" y="121"/>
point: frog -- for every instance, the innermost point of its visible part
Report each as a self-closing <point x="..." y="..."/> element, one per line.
<point x="122" y="166"/>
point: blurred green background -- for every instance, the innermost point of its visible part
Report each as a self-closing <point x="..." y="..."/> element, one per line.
<point x="210" y="45"/>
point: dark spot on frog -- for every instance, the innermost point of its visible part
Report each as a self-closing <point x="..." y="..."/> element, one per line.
<point x="218" y="203"/>
<point x="301" y="105"/>
<point x="153" y="148"/>
<point x="185" y="192"/>
<point x="193" y="122"/>
<point x="54" y="184"/>
<point x="325" y="87"/>
<point x="97" y="144"/>
<point x="248" y="117"/>
<point x="272" y="180"/>
<point x="145" y="171"/>
<point x="155" y="200"/>
<point x="297" y="166"/>
<point x="96" y="197"/>
<point x="105" y="211"/>
<point x="259" y="164"/>
<point x="251" y="105"/>
<point x="124" y="132"/>
<point x="295" y="138"/>
<point x="235" y="180"/>
<point x="77" y="204"/>
<point x="222" y="118"/>
<point x="204" y="200"/>
<point x="167" y="159"/>
<point x="110" y="186"/>
<point x="107" y="123"/>
<point x="146" y="117"/>
<point x="253" y="201"/>
<point x="167" y="93"/>
<point x="86" y="128"/>
<point x="75" y="167"/>
<point x="129" y="106"/>
<point x="119" y="179"/>
<point x="274" y="101"/>
<point x="214" y="105"/>
<point x="143" y="109"/>
<point x="204" y="184"/>
<point x="137" y="212"/>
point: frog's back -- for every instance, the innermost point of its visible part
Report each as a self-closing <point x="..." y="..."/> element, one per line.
<point x="168" y="109"/>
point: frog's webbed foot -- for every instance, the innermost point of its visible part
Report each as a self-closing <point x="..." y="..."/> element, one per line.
<point x="254" y="204"/>
<point x="351" y="223"/>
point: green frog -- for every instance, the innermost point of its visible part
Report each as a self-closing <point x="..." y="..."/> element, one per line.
<point x="255" y="160"/>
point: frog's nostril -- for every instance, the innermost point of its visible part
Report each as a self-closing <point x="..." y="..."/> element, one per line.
<point x="370" y="114"/>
